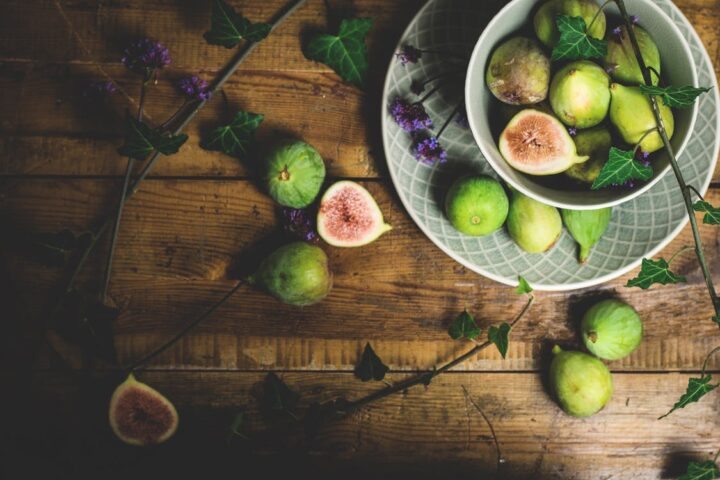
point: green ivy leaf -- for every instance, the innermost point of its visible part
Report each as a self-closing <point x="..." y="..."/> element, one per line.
<point x="523" y="286"/>
<point x="652" y="272"/>
<point x="141" y="140"/>
<point x="370" y="366"/>
<point x="345" y="52"/>
<point x="277" y="397"/>
<point x="499" y="336"/>
<point x="696" y="389"/>
<point x="236" y="137"/>
<point x="621" y="167"/>
<point x="712" y="214"/>
<point x="227" y="27"/>
<point x="680" y="97"/>
<point x="701" y="471"/>
<point x="574" y="42"/>
<point x="464" y="326"/>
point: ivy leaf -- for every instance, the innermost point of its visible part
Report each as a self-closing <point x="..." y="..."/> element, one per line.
<point x="227" y="27"/>
<point x="236" y="137"/>
<point x="696" y="389"/>
<point x="345" y="52"/>
<point x="574" y="42"/>
<point x="370" y="366"/>
<point x="499" y="336"/>
<point x="464" y="326"/>
<point x="523" y="286"/>
<point x="141" y="140"/>
<point x="701" y="471"/>
<point x="680" y="97"/>
<point x="621" y="167"/>
<point x="652" y="272"/>
<point x="277" y="397"/>
<point x="712" y="214"/>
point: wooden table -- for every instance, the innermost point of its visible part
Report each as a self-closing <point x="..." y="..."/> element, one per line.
<point x="189" y="224"/>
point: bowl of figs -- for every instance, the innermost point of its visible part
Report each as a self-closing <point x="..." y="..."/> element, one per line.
<point x="553" y="92"/>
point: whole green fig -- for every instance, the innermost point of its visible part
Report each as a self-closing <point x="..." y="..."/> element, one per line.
<point x="519" y="72"/>
<point x="595" y="143"/>
<point x="476" y="205"/>
<point x="580" y="94"/>
<point x="631" y="113"/>
<point x="621" y="62"/>
<point x="582" y="383"/>
<point x="545" y="18"/>
<point x="294" y="173"/>
<point x="296" y="274"/>
<point x="612" y="329"/>
<point x="534" y="226"/>
<point x="586" y="227"/>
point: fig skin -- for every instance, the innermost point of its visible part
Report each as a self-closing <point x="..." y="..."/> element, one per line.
<point x="580" y="94"/>
<point x="545" y="19"/>
<point x="294" y="174"/>
<point x="140" y="415"/>
<point x="611" y="329"/>
<point x="296" y="274"/>
<point x="476" y="205"/>
<point x="632" y="115"/>
<point x="620" y="60"/>
<point x="582" y="384"/>
<point x="534" y="226"/>
<point x="586" y="227"/>
<point x="519" y="72"/>
<point x="595" y="143"/>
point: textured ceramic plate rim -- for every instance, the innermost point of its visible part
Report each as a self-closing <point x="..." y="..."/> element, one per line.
<point x="542" y="287"/>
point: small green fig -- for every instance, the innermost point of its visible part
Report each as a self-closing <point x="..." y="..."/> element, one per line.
<point x="534" y="226"/>
<point x="294" y="173"/>
<point x="519" y="72"/>
<point x="621" y="62"/>
<point x="612" y="329"/>
<point x="586" y="227"/>
<point x="595" y="143"/>
<point x="631" y="113"/>
<point x="580" y="94"/>
<point x="545" y="19"/>
<point x="582" y="383"/>
<point x="476" y="205"/>
<point x="296" y="274"/>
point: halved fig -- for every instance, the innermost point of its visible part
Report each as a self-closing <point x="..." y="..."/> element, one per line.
<point x="349" y="216"/>
<point x="538" y="144"/>
<point x="140" y="415"/>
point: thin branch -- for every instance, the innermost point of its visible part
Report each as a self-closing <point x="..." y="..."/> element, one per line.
<point x="679" y="252"/>
<point x="696" y="192"/>
<point x="450" y="118"/>
<point x="500" y="459"/>
<point x="707" y="359"/>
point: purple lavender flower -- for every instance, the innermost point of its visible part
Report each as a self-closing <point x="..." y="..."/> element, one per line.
<point x="572" y="131"/>
<point x="195" y="88"/>
<point x="299" y="223"/>
<point x="429" y="151"/>
<point x="410" y="116"/>
<point x="634" y="19"/>
<point x="408" y="54"/>
<point x="644" y="157"/>
<point x="617" y="31"/>
<point x="145" y="56"/>
<point x="98" y="91"/>
<point x="417" y="87"/>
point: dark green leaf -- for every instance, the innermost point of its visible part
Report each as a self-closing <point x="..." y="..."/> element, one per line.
<point x="574" y="42"/>
<point x="652" y="272"/>
<point x="523" y="286"/>
<point x="499" y="336"/>
<point x="370" y="366"/>
<point x="464" y="326"/>
<point x="680" y="97"/>
<point x="621" y="167"/>
<point x="712" y="214"/>
<point x="236" y="137"/>
<point x="345" y="52"/>
<point x="701" y="471"/>
<point x="141" y="140"/>
<point x="228" y="27"/>
<point x="696" y="389"/>
<point x="277" y="397"/>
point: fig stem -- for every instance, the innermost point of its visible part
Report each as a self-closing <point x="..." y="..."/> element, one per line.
<point x="500" y="459"/>
<point x="699" y="252"/>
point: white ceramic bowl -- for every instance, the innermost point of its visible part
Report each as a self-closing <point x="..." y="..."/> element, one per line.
<point x="515" y="18"/>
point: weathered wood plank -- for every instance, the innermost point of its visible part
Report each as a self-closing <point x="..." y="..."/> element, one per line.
<point x="423" y="432"/>
<point x="180" y="238"/>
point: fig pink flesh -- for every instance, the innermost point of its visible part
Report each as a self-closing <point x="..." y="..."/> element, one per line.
<point x="142" y="416"/>
<point x="346" y="215"/>
<point x="530" y="140"/>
